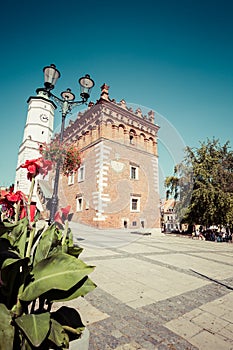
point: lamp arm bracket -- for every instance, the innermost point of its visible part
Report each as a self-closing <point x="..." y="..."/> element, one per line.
<point x="56" y="99"/>
<point x="74" y="104"/>
<point x="71" y="104"/>
<point x="66" y="106"/>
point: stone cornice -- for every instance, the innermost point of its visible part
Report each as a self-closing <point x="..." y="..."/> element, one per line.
<point x="104" y="111"/>
<point x="111" y="106"/>
<point x="43" y="99"/>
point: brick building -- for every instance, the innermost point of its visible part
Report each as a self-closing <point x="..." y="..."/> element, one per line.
<point x="117" y="183"/>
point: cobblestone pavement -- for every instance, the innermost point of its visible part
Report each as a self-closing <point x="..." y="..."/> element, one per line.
<point x="159" y="292"/>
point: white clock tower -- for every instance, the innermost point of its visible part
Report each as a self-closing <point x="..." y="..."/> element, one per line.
<point x="38" y="130"/>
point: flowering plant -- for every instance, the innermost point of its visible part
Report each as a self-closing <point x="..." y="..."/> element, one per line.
<point x="16" y="205"/>
<point x="13" y="203"/>
<point x="37" y="166"/>
<point x="72" y="160"/>
<point x="38" y="266"/>
<point x="68" y="156"/>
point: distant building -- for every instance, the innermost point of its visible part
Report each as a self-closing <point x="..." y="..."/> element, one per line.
<point x="168" y="216"/>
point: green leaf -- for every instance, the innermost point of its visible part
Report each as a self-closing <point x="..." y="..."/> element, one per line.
<point x="75" y="250"/>
<point x="37" y="215"/>
<point x="20" y="242"/>
<point x="7" y="236"/>
<point x="47" y="240"/>
<point x="57" y="335"/>
<point x="34" y="327"/>
<point x="13" y="272"/>
<point x="26" y="345"/>
<point x="6" y="251"/>
<point x="16" y="234"/>
<point x="86" y="288"/>
<point x="19" y="229"/>
<point x="68" y="317"/>
<point x="78" y="290"/>
<point x="6" y="227"/>
<point x="6" y="329"/>
<point x="70" y="238"/>
<point x="61" y="271"/>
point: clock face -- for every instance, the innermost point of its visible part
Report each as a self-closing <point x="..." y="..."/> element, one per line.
<point x="44" y="118"/>
<point x="117" y="166"/>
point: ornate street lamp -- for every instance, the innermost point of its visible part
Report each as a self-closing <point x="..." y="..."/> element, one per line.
<point x="67" y="103"/>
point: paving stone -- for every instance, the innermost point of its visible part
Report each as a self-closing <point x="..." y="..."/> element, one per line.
<point x="131" y="346"/>
<point x="165" y="319"/>
<point x="206" y="340"/>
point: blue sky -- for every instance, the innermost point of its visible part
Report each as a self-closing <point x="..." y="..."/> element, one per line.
<point x="175" y="57"/>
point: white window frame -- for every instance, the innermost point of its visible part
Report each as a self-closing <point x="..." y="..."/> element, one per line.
<point x="70" y="179"/>
<point x="132" y="201"/>
<point x="79" y="204"/>
<point x="136" y="168"/>
<point x="81" y="173"/>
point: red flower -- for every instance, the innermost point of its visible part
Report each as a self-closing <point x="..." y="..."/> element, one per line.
<point x="46" y="167"/>
<point x="23" y="213"/>
<point x="32" y="211"/>
<point x="37" y="166"/>
<point x="61" y="218"/>
<point x="57" y="218"/>
<point x="7" y="207"/>
<point x="65" y="212"/>
<point x="10" y="199"/>
<point x="16" y="197"/>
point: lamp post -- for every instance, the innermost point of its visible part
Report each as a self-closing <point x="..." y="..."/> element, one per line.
<point x="67" y="103"/>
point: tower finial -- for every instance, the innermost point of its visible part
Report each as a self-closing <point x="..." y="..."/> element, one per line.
<point x="104" y="92"/>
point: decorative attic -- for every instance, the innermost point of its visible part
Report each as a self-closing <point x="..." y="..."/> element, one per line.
<point x="108" y="119"/>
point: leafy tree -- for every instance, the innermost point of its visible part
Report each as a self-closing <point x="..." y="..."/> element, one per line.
<point x="203" y="185"/>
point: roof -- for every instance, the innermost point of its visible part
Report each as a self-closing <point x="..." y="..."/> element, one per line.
<point x="168" y="204"/>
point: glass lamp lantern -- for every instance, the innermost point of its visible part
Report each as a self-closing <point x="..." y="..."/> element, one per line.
<point x="51" y="75"/>
<point x="86" y="84"/>
<point x="68" y="95"/>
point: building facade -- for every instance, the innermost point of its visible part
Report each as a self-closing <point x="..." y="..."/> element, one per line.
<point x="117" y="183"/>
<point x="169" y="218"/>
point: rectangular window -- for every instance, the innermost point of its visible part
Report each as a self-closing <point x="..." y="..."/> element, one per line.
<point x="79" y="203"/>
<point x="133" y="172"/>
<point x="71" y="179"/>
<point x="81" y="173"/>
<point x="135" y="204"/>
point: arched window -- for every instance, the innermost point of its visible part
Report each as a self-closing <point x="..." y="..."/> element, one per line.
<point x="121" y="130"/>
<point x="132" y="135"/>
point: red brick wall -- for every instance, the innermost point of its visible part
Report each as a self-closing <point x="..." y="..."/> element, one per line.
<point x="118" y="186"/>
<point x="104" y="138"/>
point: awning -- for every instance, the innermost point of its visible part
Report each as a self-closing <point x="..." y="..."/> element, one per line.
<point x="45" y="188"/>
